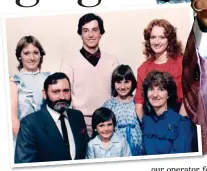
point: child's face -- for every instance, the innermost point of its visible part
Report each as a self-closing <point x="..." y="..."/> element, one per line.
<point x="123" y="87"/>
<point x="105" y="130"/>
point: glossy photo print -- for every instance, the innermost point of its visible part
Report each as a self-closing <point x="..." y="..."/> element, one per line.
<point x="99" y="86"/>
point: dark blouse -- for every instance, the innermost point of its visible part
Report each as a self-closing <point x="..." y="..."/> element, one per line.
<point x="167" y="133"/>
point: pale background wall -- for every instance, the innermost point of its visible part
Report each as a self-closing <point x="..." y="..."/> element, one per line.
<point x="123" y="37"/>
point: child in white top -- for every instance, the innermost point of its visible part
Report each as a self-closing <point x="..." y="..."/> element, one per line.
<point x="105" y="142"/>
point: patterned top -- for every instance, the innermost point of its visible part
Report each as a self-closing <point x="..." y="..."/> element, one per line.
<point x="117" y="147"/>
<point x="167" y="133"/>
<point x="127" y="123"/>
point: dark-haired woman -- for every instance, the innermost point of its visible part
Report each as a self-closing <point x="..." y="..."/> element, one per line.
<point x="26" y="86"/>
<point x="123" y="84"/>
<point x="164" y="130"/>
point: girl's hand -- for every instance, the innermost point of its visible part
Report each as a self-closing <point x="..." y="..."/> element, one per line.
<point x="200" y="7"/>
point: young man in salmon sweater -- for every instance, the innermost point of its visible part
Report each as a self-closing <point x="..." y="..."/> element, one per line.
<point x="89" y="68"/>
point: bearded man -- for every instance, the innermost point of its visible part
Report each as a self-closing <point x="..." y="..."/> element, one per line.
<point x="55" y="132"/>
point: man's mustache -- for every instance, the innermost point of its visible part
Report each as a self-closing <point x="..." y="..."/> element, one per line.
<point x="62" y="101"/>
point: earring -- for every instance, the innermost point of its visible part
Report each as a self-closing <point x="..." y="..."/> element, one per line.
<point x="19" y="58"/>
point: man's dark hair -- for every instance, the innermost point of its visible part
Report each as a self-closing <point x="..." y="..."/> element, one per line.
<point x="52" y="79"/>
<point x="88" y="18"/>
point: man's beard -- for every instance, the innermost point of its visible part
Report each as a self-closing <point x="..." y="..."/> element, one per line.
<point x="60" y="105"/>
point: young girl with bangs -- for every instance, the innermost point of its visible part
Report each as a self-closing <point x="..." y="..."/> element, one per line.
<point x="123" y="83"/>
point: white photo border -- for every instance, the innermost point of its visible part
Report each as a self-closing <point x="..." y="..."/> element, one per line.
<point x="144" y="157"/>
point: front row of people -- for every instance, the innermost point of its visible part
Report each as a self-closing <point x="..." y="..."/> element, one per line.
<point x="57" y="132"/>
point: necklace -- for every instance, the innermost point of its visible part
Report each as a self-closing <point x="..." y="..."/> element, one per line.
<point x="30" y="73"/>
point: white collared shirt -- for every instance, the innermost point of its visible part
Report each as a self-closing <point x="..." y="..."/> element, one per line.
<point x="55" y="115"/>
<point x="201" y="40"/>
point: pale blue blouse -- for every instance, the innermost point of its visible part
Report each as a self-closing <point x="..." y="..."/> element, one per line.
<point x="118" y="147"/>
<point x="30" y="86"/>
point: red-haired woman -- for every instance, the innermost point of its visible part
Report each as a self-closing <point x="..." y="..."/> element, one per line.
<point x="163" y="53"/>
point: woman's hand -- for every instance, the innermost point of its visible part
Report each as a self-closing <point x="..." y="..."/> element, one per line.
<point x="200" y="7"/>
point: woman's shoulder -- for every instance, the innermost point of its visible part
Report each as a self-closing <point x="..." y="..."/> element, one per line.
<point x="15" y="78"/>
<point x="177" y="60"/>
<point x="148" y="123"/>
<point x="14" y="75"/>
<point x="45" y="74"/>
<point x="147" y="118"/>
<point x="174" y="116"/>
<point x="145" y="64"/>
<point x="180" y="57"/>
<point x="144" y="68"/>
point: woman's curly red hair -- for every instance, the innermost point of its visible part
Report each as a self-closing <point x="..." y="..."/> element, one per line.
<point x="174" y="48"/>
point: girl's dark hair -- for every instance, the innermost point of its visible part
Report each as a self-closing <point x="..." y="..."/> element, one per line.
<point x="161" y="79"/>
<point x="100" y="115"/>
<point x="122" y="72"/>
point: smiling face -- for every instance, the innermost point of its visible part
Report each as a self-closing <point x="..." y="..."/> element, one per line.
<point x="105" y="130"/>
<point x="158" y="41"/>
<point x="158" y="98"/>
<point x="58" y="95"/>
<point x="123" y="88"/>
<point x="30" y="57"/>
<point x="91" y="35"/>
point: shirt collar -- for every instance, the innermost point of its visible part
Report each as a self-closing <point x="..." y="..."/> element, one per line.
<point x="87" y="54"/>
<point x="55" y="115"/>
<point x="114" y="139"/>
<point x="163" y="115"/>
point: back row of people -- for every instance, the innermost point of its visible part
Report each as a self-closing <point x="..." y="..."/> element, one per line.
<point x="87" y="71"/>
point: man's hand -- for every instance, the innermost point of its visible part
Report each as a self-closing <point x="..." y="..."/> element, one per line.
<point x="200" y="7"/>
